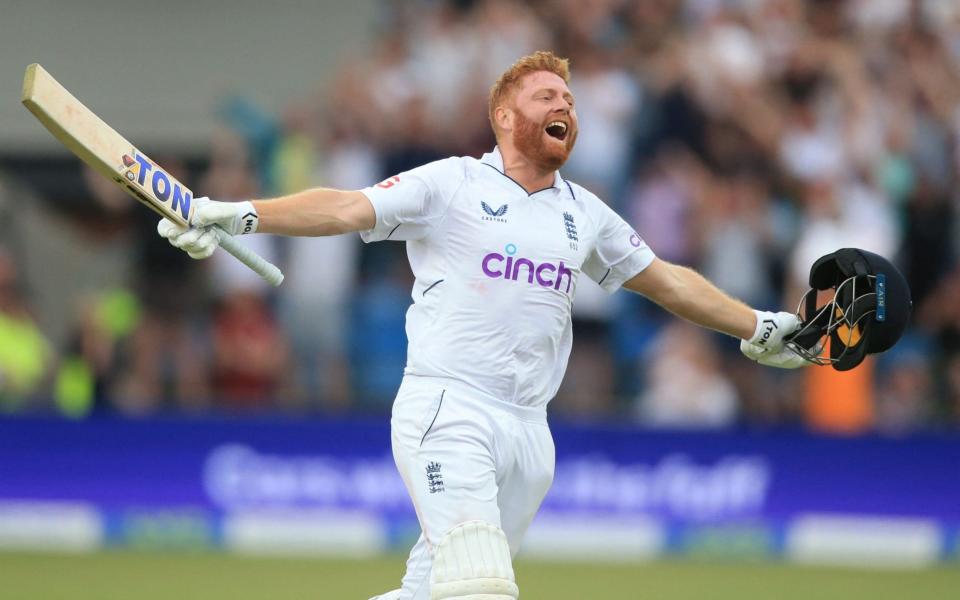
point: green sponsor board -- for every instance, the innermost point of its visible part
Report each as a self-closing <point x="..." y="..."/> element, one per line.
<point x="168" y="528"/>
<point x="729" y="540"/>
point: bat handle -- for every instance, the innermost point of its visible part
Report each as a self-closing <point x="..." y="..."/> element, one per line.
<point x="270" y="273"/>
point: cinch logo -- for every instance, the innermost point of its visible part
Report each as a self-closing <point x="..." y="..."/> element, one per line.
<point x="498" y="266"/>
<point x="164" y="186"/>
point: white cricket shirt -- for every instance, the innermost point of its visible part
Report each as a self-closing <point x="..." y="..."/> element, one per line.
<point x="496" y="270"/>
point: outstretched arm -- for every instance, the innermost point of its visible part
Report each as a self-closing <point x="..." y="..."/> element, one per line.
<point x="416" y="199"/>
<point x="689" y="295"/>
<point x="315" y="212"/>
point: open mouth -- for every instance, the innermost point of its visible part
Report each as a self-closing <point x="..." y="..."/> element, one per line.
<point x="557" y="130"/>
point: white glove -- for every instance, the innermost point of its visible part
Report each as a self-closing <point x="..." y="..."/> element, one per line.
<point x="200" y="240"/>
<point x="772" y="328"/>
<point x="236" y="218"/>
<point x="785" y="358"/>
<point x="767" y="347"/>
<point x="198" y="243"/>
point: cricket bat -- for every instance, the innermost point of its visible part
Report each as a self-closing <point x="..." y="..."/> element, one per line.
<point x="98" y="145"/>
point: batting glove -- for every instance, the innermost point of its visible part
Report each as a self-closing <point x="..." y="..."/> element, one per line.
<point x="772" y="328"/>
<point x="200" y="240"/>
<point x="767" y="347"/>
<point x="785" y="358"/>
<point x="197" y="242"/>
<point x="236" y="218"/>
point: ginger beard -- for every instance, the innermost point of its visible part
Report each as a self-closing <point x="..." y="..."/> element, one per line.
<point x="532" y="141"/>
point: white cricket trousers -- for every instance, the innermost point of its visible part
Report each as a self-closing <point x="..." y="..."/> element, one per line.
<point x="463" y="456"/>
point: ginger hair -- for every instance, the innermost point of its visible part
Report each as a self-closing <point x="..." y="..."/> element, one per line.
<point x="509" y="81"/>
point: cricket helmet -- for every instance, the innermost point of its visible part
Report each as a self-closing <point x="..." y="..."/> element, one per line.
<point x="867" y="314"/>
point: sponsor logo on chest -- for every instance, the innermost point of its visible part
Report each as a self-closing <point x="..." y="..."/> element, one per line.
<point x="494" y="214"/>
<point x="512" y="267"/>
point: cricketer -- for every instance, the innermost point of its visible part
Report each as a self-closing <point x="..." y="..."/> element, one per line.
<point x="497" y="246"/>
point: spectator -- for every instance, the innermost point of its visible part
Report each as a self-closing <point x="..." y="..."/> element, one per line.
<point x="314" y="300"/>
<point x="702" y="397"/>
<point x="906" y="392"/>
<point x="250" y="360"/>
<point x="162" y="365"/>
<point x="378" y="341"/>
<point x="88" y="371"/>
<point x="25" y="354"/>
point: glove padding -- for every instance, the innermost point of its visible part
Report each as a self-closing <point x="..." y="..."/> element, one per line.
<point x="200" y="240"/>
<point x="767" y="347"/>
<point x="198" y="243"/>
<point x="785" y="358"/>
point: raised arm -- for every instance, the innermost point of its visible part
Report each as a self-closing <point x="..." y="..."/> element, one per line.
<point x="316" y="212"/>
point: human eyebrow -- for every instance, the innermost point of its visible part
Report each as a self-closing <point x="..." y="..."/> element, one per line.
<point x="552" y="92"/>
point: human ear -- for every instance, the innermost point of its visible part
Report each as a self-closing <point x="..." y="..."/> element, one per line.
<point x="504" y="118"/>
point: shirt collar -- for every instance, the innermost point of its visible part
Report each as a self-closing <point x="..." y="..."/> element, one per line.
<point x="495" y="160"/>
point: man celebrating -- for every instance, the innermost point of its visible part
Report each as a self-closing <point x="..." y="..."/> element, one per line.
<point x="497" y="246"/>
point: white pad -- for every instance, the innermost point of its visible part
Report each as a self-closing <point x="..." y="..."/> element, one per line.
<point x="391" y="595"/>
<point x="472" y="562"/>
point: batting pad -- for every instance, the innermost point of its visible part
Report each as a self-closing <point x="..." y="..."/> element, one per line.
<point x="472" y="562"/>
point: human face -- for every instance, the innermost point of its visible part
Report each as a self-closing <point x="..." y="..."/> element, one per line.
<point x="545" y="122"/>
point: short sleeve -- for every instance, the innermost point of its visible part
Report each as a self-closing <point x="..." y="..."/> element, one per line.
<point x="619" y="253"/>
<point x="410" y="205"/>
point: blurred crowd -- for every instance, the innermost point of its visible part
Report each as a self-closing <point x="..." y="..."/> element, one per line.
<point x="744" y="138"/>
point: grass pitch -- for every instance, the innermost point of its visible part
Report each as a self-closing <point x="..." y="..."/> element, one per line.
<point x="187" y="576"/>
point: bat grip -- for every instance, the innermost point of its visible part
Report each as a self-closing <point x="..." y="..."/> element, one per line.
<point x="270" y="273"/>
